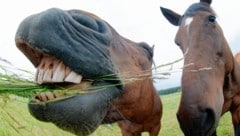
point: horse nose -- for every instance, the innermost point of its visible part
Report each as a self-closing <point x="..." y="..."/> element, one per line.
<point x="206" y="119"/>
<point x="200" y="123"/>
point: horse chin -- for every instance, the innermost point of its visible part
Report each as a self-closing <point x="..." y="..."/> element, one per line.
<point x="80" y="114"/>
<point x="197" y="132"/>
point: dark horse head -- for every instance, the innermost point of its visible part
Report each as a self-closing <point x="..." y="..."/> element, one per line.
<point x="208" y="68"/>
<point x="77" y="50"/>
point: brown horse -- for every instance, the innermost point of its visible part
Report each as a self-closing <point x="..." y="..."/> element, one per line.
<point x="210" y="78"/>
<point x="77" y="50"/>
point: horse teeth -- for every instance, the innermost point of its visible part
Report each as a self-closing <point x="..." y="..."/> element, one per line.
<point x="73" y="77"/>
<point x="40" y="76"/>
<point x="51" y="70"/>
<point x="48" y="76"/>
<point x="67" y="70"/>
<point x="36" y="75"/>
<point x="59" y="73"/>
<point x="55" y="64"/>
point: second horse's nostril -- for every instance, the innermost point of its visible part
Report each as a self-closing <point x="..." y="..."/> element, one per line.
<point x="207" y="119"/>
<point x="197" y="122"/>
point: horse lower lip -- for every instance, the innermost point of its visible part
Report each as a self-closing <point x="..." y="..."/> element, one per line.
<point x="71" y="113"/>
<point x="196" y="131"/>
<point x="74" y="112"/>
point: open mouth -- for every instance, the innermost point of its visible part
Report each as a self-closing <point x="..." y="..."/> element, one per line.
<point x="80" y="91"/>
<point x="50" y="70"/>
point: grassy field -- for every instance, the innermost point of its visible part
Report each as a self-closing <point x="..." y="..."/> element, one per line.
<point x="16" y="121"/>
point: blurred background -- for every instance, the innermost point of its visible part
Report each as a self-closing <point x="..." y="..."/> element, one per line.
<point x="133" y="19"/>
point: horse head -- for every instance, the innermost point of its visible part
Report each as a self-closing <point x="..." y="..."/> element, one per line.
<point x="208" y="68"/>
<point x="77" y="50"/>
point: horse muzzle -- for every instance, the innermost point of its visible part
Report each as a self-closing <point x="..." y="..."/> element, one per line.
<point x="202" y="123"/>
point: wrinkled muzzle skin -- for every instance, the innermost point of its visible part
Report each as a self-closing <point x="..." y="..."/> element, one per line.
<point x="66" y="35"/>
<point x="78" y="50"/>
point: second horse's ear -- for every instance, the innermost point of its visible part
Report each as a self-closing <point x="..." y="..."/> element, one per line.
<point x="173" y="17"/>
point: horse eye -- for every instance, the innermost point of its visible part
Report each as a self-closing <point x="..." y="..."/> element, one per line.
<point x="211" y="19"/>
<point x="219" y="54"/>
<point x="177" y="43"/>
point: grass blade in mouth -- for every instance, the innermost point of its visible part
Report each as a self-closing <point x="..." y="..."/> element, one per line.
<point x="21" y="82"/>
<point x="10" y="84"/>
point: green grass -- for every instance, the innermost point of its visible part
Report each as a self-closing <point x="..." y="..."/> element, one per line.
<point x="15" y="120"/>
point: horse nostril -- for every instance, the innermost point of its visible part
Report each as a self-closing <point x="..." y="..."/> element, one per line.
<point x="201" y="122"/>
<point x="206" y="119"/>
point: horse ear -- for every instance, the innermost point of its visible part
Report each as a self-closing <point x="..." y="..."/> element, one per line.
<point x="171" y="16"/>
<point x="206" y="1"/>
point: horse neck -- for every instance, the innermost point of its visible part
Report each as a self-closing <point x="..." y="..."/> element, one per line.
<point x="232" y="89"/>
<point x="235" y="78"/>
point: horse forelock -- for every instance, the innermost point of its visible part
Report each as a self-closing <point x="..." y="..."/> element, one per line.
<point x="194" y="8"/>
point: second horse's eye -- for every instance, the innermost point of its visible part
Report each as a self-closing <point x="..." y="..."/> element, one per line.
<point x="211" y="19"/>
